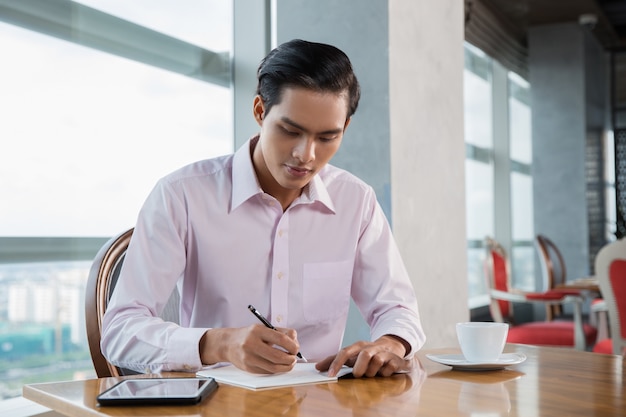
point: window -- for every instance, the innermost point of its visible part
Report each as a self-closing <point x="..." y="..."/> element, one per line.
<point x="520" y="139"/>
<point x="479" y="185"/>
<point x="498" y="145"/>
<point x="95" y="113"/>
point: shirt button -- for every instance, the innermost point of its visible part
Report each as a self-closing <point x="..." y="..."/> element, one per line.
<point x="279" y="319"/>
<point x="280" y="233"/>
<point x="280" y="275"/>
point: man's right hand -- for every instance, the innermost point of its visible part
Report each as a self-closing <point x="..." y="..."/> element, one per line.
<point x="255" y="349"/>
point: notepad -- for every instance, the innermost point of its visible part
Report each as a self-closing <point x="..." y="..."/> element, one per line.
<point x="301" y="374"/>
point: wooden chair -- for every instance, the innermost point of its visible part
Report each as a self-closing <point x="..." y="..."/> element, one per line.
<point x="554" y="273"/>
<point x="566" y="333"/>
<point x="103" y="276"/>
<point x="610" y="266"/>
<point x="553" y="270"/>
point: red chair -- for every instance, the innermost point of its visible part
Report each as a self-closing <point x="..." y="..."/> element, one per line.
<point x="610" y="265"/>
<point x="564" y="333"/>
<point x="554" y="274"/>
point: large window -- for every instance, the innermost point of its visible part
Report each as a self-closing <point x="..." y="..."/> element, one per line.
<point x="520" y="140"/>
<point x="478" y="165"/>
<point x="498" y="146"/>
<point x="94" y="112"/>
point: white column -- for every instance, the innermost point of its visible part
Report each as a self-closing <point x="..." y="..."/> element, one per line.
<point x="428" y="157"/>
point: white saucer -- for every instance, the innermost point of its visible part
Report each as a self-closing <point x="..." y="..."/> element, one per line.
<point x="459" y="362"/>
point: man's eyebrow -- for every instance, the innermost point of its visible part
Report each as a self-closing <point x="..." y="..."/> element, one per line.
<point x="290" y="122"/>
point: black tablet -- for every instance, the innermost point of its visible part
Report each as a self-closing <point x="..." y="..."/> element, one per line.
<point x="158" y="391"/>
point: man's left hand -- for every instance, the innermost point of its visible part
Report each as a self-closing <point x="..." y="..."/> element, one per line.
<point x="382" y="357"/>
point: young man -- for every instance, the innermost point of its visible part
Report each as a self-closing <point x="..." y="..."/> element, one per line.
<point x="275" y="226"/>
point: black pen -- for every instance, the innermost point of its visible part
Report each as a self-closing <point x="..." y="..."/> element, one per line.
<point x="268" y="325"/>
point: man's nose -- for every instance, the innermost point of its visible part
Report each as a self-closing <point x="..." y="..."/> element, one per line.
<point x="304" y="151"/>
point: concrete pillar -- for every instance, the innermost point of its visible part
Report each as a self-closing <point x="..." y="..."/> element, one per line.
<point x="567" y="71"/>
<point x="428" y="157"/>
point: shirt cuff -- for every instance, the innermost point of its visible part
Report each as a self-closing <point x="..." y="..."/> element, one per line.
<point x="184" y="350"/>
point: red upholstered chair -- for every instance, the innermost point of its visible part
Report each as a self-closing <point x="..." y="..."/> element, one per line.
<point x="610" y="266"/>
<point x="554" y="273"/>
<point x="566" y="333"/>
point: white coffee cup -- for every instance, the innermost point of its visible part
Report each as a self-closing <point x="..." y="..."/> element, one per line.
<point x="482" y="342"/>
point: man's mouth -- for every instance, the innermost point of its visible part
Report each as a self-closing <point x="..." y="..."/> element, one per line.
<point x="298" y="171"/>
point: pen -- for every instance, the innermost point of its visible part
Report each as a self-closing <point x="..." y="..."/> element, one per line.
<point x="268" y="325"/>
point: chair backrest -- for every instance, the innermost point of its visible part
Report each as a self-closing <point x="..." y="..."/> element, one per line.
<point x="103" y="275"/>
<point x="498" y="275"/>
<point x="610" y="266"/>
<point x="552" y="264"/>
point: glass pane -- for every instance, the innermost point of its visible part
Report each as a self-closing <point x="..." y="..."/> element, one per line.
<point x="519" y="120"/>
<point x="477" y="285"/>
<point x="477" y="100"/>
<point x="609" y="175"/>
<point x="522" y="207"/>
<point x="479" y="199"/>
<point x="106" y="129"/>
<point x="523" y="267"/>
<point x="207" y="23"/>
<point x="479" y="218"/>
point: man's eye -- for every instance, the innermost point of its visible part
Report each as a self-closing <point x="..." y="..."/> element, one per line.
<point x="290" y="132"/>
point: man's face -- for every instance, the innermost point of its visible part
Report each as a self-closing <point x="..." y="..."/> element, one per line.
<point x="298" y="137"/>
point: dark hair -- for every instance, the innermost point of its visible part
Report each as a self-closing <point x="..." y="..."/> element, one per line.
<point x="315" y="66"/>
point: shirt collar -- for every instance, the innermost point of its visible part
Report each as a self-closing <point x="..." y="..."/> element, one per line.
<point x="316" y="191"/>
<point x="246" y="184"/>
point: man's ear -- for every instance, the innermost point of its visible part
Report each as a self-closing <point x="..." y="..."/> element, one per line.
<point x="258" y="109"/>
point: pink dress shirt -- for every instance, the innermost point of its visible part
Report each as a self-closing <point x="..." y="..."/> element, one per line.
<point x="210" y="230"/>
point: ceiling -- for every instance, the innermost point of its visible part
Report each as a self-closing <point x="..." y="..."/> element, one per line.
<point x="610" y="28"/>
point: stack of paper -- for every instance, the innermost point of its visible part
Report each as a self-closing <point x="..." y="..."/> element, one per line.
<point x="302" y="373"/>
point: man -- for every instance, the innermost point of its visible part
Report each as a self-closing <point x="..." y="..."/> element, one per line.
<point x="275" y="226"/>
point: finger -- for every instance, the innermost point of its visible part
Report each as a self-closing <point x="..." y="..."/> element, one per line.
<point x="375" y="364"/>
<point x="363" y="364"/>
<point x="290" y="343"/>
<point x="291" y="333"/>
<point x="267" y="347"/>
<point x="324" y="364"/>
<point x="268" y="367"/>
<point x="388" y="369"/>
<point x="345" y="356"/>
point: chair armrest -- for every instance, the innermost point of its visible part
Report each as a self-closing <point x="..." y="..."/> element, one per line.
<point x="508" y="296"/>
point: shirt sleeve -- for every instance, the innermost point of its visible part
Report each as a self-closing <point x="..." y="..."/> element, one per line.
<point x="133" y="334"/>
<point x="382" y="289"/>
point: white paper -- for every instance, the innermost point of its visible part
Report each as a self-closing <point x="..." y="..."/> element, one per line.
<point x="302" y="373"/>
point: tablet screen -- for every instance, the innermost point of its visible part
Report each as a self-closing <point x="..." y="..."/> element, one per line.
<point x="158" y="391"/>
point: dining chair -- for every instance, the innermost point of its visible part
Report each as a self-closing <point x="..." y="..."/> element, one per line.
<point x="503" y="297"/>
<point x="553" y="270"/>
<point x="103" y="275"/>
<point x="610" y="266"/>
<point x="551" y="261"/>
<point x="554" y="274"/>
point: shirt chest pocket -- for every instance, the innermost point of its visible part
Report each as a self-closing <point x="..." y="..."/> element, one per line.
<point x="326" y="290"/>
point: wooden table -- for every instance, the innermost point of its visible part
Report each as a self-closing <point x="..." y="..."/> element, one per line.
<point x="590" y="284"/>
<point x="551" y="382"/>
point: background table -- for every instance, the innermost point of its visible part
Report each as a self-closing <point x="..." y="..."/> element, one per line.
<point x="551" y="382"/>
